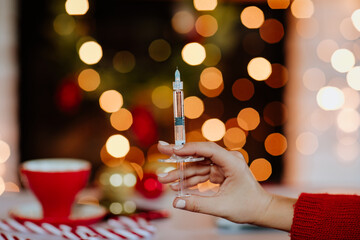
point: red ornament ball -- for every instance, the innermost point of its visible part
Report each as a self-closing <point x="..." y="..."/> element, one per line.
<point x="149" y="186"/>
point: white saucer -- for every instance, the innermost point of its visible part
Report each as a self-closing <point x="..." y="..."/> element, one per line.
<point x="81" y="214"/>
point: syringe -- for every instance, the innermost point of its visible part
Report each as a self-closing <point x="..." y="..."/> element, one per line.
<point x="179" y="125"/>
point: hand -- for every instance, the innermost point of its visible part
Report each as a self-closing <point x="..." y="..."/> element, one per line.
<point x="240" y="198"/>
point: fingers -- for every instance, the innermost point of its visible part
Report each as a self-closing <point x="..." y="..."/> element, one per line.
<point x="192" y="170"/>
<point x="201" y="204"/>
<point x="190" y="182"/>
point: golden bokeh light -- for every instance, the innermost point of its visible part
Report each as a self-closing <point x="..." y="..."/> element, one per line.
<point x="211" y="78"/>
<point x="259" y="68"/>
<point x="314" y="79"/>
<point x="347" y="153"/>
<point x="234" y="138"/>
<point x="342" y="60"/>
<point x="213" y="92"/>
<point x="206" y="25"/>
<point x="89" y="80"/>
<point x="243" y="89"/>
<point x="111" y="101"/>
<point x="124" y="61"/>
<point x="90" y="52"/>
<point x="117" y="145"/>
<point x="115" y="208"/>
<point x="302" y="8"/>
<point x="326" y="48"/>
<point x="275" y="113"/>
<point x="116" y="180"/>
<point x="129" y="180"/>
<point x="183" y="22"/>
<point x="11" y="187"/>
<point x="110" y="160"/>
<point x="252" y="17"/>
<point x="76" y="7"/>
<point x="193" y="107"/>
<point x="4" y="151"/>
<point x="64" y="24"/>
<point x="353" y="78"/>
<point x="135" y="155"/>
<point x="261" y="169"/>
<point x="245" y="154"/>
<point x="195" y="136"/>
<point x="162" y="97"/>
<point x="307" y="27"/>
<point x="213" y="129"/>
<point x="307" y="143"/>
<point x="355" y="18"/>
<point x="352" y="98"/>
<point x="275" y="144"/>
<point x="159" y="50"/>
<point x="231" y="122"/>
<point x="205" y="5"/>
<point x="348" y="30"/>
<point x="193" y="53"/>
<point x="348" y="120"/>
<point x="248" y="119"/>
<point x="213" y="55"/>
<point x="330" y="98"/>
<point x="129" y="206"/>
<point x="278" y="4"/>
<point x="279" y="76"/>
<point x="271" y="31"/>
<point x="121" y="120"/>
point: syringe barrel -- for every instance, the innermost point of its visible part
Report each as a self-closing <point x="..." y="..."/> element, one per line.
<point x="179" y="119"/>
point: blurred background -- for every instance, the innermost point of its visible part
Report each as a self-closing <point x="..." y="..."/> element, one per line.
<point x="277" y="80"/>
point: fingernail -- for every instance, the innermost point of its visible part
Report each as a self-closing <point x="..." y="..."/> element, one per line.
<point x="163" y="143"/>
<point x="174" y="184"/>
<point x="162" y="175"/>
<point x="180" y="203"/>
<point x="177" y="147"/>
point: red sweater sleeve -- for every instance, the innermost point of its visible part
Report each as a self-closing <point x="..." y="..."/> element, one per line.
<point x="325" y="216"/>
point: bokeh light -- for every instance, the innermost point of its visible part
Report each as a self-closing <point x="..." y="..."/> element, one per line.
<point x="115" y="208"/>
<point x="90" y="52"/>
<point x="275" y="113"/>
<point x="135" y="155"/>
<point x="355" y="18"/>
<point x="279" y="76"/>
<point x="252" y="17"/>
<point x="307" y="27"/>
<point x="206" y="25"/>
<point x="234" y="138"/>
<point x="4" y="151"/>
<point x="307" y="143"/>
<point x="195" y="136"/>
<point x="124" y="61"/>
<point x="183" y="22"/>
<point x="342" y="60"/>
<point x="213" y="54"/>
<point x="205" y="5"/>
<point x="193" y="107"/>
<point x="302" y="8"/>
<point x="275" y="144"/>
<point x="11" y="187"/>
<point x="314" y="79"/>
<point x="116" y="180"/>
<point x="321" y="120"/>
<point x="129" y="180"/>
<point x="261" y="169"/>
<point x="111" y="101"/>
<point x="245" y="154"/>
<point x="347" y="153"/>
<point x="213" y="129"/>
<point x="352" y="98"/>
<point x="326" y="48"/>
<point x="248" y="119"/>
<point x="271" y="31"/>
<point x="231" y="122"/>
<point x="76" y="7"/>
<point x="330" y="98"/>
<point x="348" y="120"/>
<point x="117" y="145"/>
<point x="243" y="89"/>
<point x="278" y="4"/>
<point x="353" y="78"/>
<point x="159" y="50"/>
<point x="110" y="160"/>
<point x="89" y="80"/>
<point x="193" y="53"/>
<point x="64" y="24"/>
<point x="129" y="206"/>
<point x="162" y="97"/>
<point x="348" y="30"/>
<point x="211" y="78"/>
<point x="259" y="68"/>
<point x="121" y="120"/>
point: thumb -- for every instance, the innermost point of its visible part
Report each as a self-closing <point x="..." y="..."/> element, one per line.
<point x="201" y="204"/>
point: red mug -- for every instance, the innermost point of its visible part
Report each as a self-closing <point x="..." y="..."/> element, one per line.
<point x="55" y="183"/>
